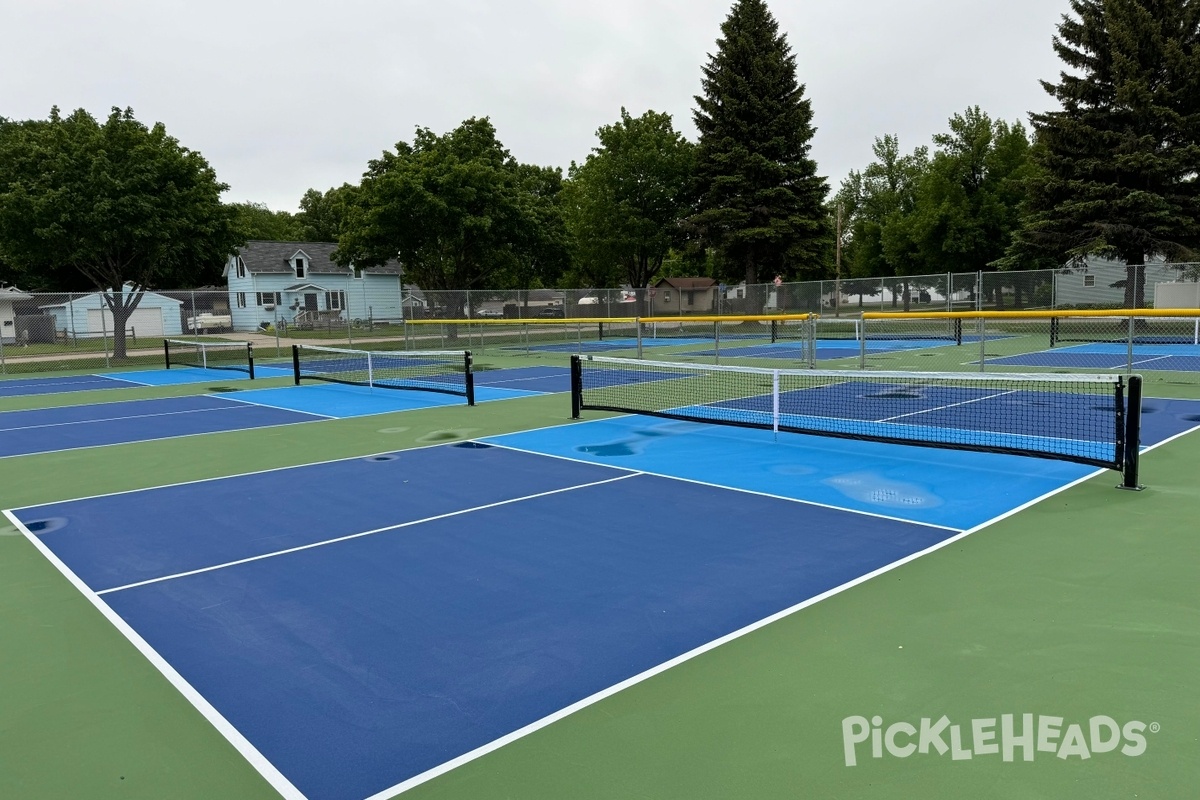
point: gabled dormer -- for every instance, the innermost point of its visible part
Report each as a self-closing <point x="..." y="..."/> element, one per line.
<point x="300" y="263"/>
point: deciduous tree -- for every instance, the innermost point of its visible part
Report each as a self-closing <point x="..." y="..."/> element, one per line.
<point x="117" y="201"/>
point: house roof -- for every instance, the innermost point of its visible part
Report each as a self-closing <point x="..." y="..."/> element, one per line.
<point x="687" y="283"/>
<point x="12" y="294"/>
<point x="275" y="257"/>
<point x="83" y="299"/>
<point x="299" y="287"/>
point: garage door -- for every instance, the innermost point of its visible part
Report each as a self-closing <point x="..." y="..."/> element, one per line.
<point x="145" y="322"/>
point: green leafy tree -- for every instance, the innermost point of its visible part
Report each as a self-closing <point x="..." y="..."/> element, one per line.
<point x="452" y="208"/>
<point x="256" y="221"/>
<point x="878" y="204"/>
<point x="1118" y="161"/>
<point x="545" y="256"/>
<point x="625" y="201"/>
<point x="759" y="200"/>
<point x="968" y="201"/>
<point x="324" y="217"/>
<point x="118" y="202"/>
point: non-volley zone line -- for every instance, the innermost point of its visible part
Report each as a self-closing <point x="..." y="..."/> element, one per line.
<point x="358" y="666"/>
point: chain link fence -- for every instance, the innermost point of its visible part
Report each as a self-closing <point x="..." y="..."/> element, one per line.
<point x="78" y="331"/>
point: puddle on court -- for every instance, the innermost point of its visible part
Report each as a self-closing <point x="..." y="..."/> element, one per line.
<point x="876" y="490"/>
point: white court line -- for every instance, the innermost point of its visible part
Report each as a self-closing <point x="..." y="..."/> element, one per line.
<point x="362" y="534"/>
<point x="248" y="751"/>
<point x="230" y="396"/>
<point x="159" y="439"/>
<point x="112" y="419"/>
<point x="288" y="791"/>
<point x="1148" y="359"/>
<point x="591" y="700"/>
<point x="951" y="405"/>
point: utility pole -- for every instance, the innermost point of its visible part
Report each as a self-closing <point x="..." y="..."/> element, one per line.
<point x="837" y="275"/>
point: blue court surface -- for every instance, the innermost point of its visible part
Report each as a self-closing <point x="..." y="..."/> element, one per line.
<point x="1110" y="356"/>
<point x="69" y="427"/>
<point x="17" y="387"/>
<point x="47" y="430"/>
<point x="545" y="380"/>
<point x="364" y="621"/>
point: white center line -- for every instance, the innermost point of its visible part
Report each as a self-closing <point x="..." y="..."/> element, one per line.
<point x="366" y="533"/>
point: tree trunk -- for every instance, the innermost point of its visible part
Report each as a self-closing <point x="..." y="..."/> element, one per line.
<point x="1135" y="280"/>
<point x="907" y="297"/>
<point x="121" y="305"/>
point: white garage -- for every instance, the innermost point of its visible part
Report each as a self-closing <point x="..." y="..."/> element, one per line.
<point x="142" y="322"/>
<point x="88" y="315"/>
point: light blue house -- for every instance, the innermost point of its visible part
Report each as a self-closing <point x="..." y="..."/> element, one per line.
<point x="297" y="283"/>
<point x="89" y="316"/>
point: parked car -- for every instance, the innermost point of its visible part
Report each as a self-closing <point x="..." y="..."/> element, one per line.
<point x="207" y="321"/>
<point x="551" y="312"/>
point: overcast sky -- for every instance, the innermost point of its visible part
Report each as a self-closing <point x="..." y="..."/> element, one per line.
<point x="284" y="96"/>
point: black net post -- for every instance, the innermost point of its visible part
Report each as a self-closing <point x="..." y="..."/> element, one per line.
<point x="1053" y="331"/>
<point x="576" y="386"/>
<point x="250" y="357"/>
<point x="296" y="362"/>
<point x="469" y="377"/>
<point x="958" y="330"/>
<point x="167" y="352"/>
<point x="1132" y="435"/>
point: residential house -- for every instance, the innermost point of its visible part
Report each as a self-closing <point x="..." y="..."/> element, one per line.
<point x="297" y="283"/>
<point x="9" y="295"/>
<point x="1100" y="282"/>
<point x="683" y="296"/>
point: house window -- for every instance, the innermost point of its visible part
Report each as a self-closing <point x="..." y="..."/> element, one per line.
<point x="270" y="298"/>
<point x="358" y="271"/>
<point x="691" y="298"/>
<point x="1089" y="280"/>
<point x="241" y="299"/>
<point x="241" y="267"/>
<point x="741" y="293"/>
<point x="667" y="296"/>
<point x="335" y="301"/>
<point x="299" y="267"/>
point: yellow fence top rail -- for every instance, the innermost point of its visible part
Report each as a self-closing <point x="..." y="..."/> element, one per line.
<point x="731" y="318"/>
<point x="1055" y="314"/>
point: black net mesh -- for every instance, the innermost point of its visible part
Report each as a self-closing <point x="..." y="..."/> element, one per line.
<point x="237" y="356"/>
<point x="1070" y="417"/>
<point x="445" y="371"/>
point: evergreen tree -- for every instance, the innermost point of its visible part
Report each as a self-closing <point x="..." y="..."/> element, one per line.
<point x="759" y="200"/>
<point x="1118" y="163"/>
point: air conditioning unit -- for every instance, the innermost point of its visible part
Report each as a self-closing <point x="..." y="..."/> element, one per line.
<point x="268" y="306"/>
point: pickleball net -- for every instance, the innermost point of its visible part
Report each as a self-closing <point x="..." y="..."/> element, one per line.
<point x="1089" y="419"/>
<point x="444" y="371"/>
<point x="237" y="356"/>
